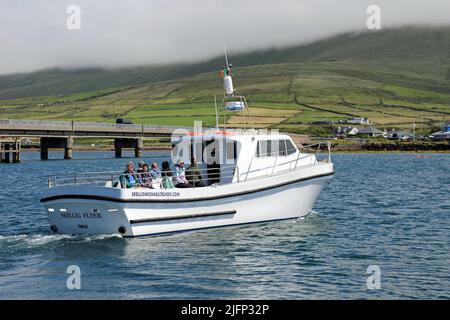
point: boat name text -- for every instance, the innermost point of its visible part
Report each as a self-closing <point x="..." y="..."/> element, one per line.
<point x="79" y="215"/>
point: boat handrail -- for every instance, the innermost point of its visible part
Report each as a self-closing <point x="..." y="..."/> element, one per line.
<point x="77" y="178"/>
<point x="101" y="178"/>
<point x="272" y="167"/>
<point x="306" y="147"/>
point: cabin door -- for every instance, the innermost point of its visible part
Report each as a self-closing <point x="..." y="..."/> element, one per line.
<point x="212" y="161"/>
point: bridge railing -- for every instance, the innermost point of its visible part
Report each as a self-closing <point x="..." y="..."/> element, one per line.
<point x="74" y="126"/>
<point x="7" y="122"/>
<point x="83" y="126"/>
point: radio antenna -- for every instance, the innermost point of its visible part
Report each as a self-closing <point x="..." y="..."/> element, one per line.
<point x="225" y="52"/>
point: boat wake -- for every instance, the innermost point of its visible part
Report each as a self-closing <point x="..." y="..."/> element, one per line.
<point x="36" y="240"/>
<point x="310" y="215"/>
<point x="313" y="213"/>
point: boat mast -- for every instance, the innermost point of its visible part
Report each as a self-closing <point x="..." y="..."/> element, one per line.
<point x="226" y="55"/>
<point x="230" y="101"/>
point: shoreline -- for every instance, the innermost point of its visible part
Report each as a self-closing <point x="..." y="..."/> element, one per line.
<point x="396" y="147"/>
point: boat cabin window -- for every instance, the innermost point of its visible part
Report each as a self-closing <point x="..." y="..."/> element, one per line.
<point x="282" y="148"/>
<point x="274" y="148"/>
<point x="290" y="148"/>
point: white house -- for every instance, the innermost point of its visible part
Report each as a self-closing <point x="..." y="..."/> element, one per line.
<point x="353" y="131"/>
<point x="358" y="121"/>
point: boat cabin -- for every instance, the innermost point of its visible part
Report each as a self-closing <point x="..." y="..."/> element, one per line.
<point x="229" y="157"/>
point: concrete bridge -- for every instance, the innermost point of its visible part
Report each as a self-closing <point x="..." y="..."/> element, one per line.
<point x="60" y="134"/>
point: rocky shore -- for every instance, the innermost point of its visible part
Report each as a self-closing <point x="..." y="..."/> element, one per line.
<point x="392" y="147"/>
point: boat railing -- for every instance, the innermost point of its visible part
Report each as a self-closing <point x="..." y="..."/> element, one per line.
<point x="95" y="178"/>
<point x="209" y="176"/>
<point x="318" y="149"/>
<point x="312" y="151"/>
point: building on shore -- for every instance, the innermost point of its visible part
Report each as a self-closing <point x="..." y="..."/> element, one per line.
<point x="394" y="134"/>
<point x="345" y="131"/>
<point x="369" y="132"/>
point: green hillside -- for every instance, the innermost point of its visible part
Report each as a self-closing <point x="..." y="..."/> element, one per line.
<point x="394" y="77"/>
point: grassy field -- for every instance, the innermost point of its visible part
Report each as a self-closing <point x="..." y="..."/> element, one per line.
<point x="333" y="79"/>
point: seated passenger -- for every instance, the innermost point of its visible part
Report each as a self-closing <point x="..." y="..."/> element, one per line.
<point x="128" y="179"/>
<point x="155" y="172"/>
<point x="194" y="175"/>
<point x="166" y="176"/>
<point x="140" y="166"/>
<point x="145" y="178"/>
<point x="179" y="178"/>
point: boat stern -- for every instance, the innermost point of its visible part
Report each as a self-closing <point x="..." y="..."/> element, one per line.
<point x="69" y="213"/>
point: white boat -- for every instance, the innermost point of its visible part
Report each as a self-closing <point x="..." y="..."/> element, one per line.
<point x="256" y="187"/>
<point x="251" y="177"/>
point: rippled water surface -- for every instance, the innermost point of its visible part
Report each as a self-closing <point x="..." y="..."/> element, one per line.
<point x="390" y="210"/>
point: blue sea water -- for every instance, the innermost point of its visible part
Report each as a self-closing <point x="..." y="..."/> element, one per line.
<point x="388" y="210"/>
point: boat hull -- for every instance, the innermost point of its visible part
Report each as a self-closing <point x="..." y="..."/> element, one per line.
<point x="132" y="218"/>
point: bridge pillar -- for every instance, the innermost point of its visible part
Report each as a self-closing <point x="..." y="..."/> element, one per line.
<point x="10" y="152"/>
<point x="138" y="150"/>
<point x="8" y="157"/>
<point x="65" y="143"/>
<point x="44" y="148"/>
<point x="16" y="154"/>
<point x="118" y="147"/>
<point x="68" y="149"/>
<point x="128" y="143"/>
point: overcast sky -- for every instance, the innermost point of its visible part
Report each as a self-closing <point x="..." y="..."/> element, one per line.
<point x="116" y="33"/>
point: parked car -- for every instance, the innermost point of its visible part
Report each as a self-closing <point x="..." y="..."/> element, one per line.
<point x="123" y="121"/>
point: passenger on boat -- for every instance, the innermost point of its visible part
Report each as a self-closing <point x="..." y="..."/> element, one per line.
<point x="128" y="179"/>
<point x="179" y="178"/>
<point x="155" y="172"/>
<point x="167" y="176"/>
<point x="194" y="175"/>
<point x="140" y="166"/>
<point x="145" y="178"/>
